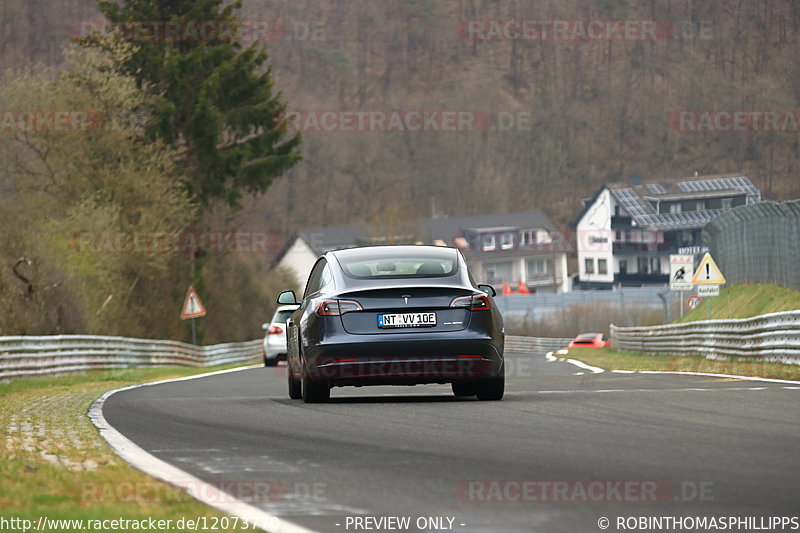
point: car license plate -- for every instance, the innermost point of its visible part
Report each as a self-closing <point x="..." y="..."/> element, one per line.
<point x="407" y="320"/>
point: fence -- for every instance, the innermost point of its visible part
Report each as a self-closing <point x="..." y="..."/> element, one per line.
<point x="757" y="243"/>
<point x="65" y="354"/>
<point x="534" y="306"/>
<point x="770" y="337"/>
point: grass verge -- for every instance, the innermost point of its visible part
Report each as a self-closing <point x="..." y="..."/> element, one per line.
<point x="610" y="359"/>
<point x="746" y="300"/>
<point x="56" y="465"/>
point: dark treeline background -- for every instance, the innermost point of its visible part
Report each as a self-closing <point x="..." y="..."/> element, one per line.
<point x="598" y="110"/>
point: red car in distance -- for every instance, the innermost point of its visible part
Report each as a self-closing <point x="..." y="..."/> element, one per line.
<point x="589" y="340"/>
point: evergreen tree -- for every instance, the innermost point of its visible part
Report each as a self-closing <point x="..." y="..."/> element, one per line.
<point x="216" y="100"/>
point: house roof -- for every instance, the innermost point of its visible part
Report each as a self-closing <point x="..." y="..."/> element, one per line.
<point x="446" y="229"/>
<point x="637" y="200"/>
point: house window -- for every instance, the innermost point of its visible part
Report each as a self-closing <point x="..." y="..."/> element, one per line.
<point x="488" y="242"/>
<point x="655" y="265"/>
<point x="727" y="203"/>
<point x="675" y="208"/>
<point x="602" y="266"/>
<point x="536" y="268"/>
<point x="700" y="205"/>
<point x="588" y="265"/>
<point x="499" y="272"/>
<point x="507" y="241"/>
<point x="642" y="265"/>
<point x="527" y="238"/>
<point x="623" y="266"/>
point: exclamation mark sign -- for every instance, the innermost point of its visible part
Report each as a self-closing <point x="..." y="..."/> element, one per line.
<point x="708" y="271"/>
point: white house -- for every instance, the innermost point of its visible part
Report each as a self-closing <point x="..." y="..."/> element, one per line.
<point x="627" y="231"/>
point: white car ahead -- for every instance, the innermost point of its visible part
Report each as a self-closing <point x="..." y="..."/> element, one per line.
<point x="275" y="335"/>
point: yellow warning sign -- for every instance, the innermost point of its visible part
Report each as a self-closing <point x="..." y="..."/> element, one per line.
<point x="707" y="272"/>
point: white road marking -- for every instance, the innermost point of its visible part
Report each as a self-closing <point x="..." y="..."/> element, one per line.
<point x="581" y="364"/>
<point x="713" y="375"/>
<point x="684" y="389"/>
<point x="198" y="489"/>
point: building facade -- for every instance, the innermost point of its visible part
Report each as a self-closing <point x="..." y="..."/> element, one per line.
<point x="519" y="249"/>
<point x="627" y="232"/>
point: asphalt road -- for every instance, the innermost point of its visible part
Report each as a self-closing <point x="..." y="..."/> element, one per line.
<point x="563" y="449"/>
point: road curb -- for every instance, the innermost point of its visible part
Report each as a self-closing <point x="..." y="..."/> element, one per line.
<point x="195" y="487"/>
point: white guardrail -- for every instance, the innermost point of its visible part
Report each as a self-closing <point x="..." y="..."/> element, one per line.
<point x="54" y="355"/>
<point x="67" y="354"/>
<point x="770" y="337"/>
<point x="519" y="344"/>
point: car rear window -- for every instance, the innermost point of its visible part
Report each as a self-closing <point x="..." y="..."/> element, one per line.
<point x="390" y="267"/>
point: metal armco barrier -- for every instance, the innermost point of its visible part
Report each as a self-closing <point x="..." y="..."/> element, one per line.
<point x="770" y="337"/>
<point x="67" y="354"/>
<point x="519" y="344"/>
<point x="54" y="355"/>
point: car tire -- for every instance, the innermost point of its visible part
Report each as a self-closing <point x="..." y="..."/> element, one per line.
<point x="295" y="388"/>
<point x="492" y="389"/>
<point x="315" y="391"/>
<point x="461" y="388"/>
<point x="271" y="362"/>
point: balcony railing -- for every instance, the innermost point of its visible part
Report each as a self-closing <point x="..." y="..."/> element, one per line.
<point x="643" y="247"/>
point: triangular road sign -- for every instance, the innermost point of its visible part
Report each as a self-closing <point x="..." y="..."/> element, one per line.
<point x="192" y="306"/>
<point x="708" y="272"/>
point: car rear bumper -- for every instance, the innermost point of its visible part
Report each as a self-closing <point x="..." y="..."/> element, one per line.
<point x="405" y="362"/>
<point x="275" y="348"/>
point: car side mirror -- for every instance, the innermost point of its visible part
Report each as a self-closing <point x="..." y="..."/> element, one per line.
<point x="287" y="298"/>
<point x="265" y="326"/>
<point x="488" y="289"/>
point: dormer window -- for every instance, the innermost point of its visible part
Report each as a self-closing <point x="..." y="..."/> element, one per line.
<point x="700" y="205"/>
<point x="727" y="203"/>
<point x="488" y="242"/>
<point x="507" y="241"/>
<point x="527" y="238"/>
<point x="675" y="208"/>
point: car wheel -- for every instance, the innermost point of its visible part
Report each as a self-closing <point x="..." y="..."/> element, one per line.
<point x="492" y="388"/>
<point x="271" y="362"/>
<point x="461" y="388"/>
<point x="295" y="392"/>
<point x="315" y="391"/>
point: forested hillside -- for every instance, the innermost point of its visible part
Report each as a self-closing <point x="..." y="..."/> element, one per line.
<point x="598" y="111"/>
<point x="550" y="118"/>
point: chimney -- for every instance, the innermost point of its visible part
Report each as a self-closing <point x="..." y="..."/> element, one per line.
<point x="635" y="180"/>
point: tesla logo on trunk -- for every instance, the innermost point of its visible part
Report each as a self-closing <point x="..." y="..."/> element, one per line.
<point x="405" y="298"/>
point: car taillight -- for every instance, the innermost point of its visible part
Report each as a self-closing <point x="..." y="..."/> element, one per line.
<point x="473" y="303"/>
<point x="274" y="330"/>
<point x="337" y="307"/>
